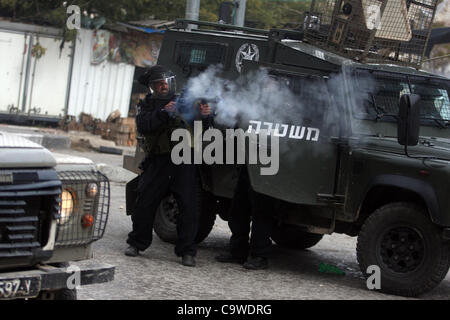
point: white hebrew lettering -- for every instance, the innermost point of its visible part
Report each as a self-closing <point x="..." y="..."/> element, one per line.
<point x="269" y="127"/>
<point x="277" y="133"/>
<point x="296" y="132"/>
<point x="296" y="135"/>
<point x="258" y="126"/>
<point x="310" y="131"/>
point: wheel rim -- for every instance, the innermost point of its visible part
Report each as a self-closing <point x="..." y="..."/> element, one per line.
<point x="170" y="208"/>
<point x="402" y="249"/>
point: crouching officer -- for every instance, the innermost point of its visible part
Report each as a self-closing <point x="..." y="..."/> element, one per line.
<point x="249" y="211"/>
<point x="156" y="119"/>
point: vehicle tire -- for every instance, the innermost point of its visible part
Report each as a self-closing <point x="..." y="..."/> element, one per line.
<point x="401" y="240"/>
<point x="165" y="225"/>
<point x="294" y="237"/>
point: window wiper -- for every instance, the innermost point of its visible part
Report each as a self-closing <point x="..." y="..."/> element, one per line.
<point x="442" y="124"/>
<point x="381" y="112"/>
<point x="387" y="115"/>
<point x="439" y="123"/>
<point x="374" y="104"/>
<point x="375" y="107"/>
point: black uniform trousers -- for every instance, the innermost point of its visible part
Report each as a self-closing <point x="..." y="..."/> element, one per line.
<point x="158" y="180"/>
<point x="248" y="207"/>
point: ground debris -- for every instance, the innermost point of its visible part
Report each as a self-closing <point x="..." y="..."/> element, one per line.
<point x="120" y="130"/>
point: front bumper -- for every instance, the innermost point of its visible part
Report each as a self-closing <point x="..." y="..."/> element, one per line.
<point x="28" y="283"/>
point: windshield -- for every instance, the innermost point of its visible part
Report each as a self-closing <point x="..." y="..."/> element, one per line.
<point x="381" y="92"/>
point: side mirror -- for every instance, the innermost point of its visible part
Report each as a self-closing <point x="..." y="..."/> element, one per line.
<point x="408" y="120"/>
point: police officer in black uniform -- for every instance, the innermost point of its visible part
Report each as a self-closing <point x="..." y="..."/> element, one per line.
<point x="250" y="212"/>
<point x="251" y="220"/>
<point x="156" y="119"/>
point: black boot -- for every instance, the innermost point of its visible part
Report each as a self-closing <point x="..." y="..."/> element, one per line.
<point x="131" y="251"/>
<point x="229" y="258"/>
<point x="188" y="261"/>
<point x="256" y="263"/>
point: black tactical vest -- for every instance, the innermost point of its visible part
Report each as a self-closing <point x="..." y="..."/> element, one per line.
<point x="159" y="142"/>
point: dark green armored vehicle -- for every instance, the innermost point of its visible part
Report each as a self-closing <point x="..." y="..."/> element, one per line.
<point x="376" y="163"/>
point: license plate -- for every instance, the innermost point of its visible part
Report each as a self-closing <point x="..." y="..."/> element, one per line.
<point x="20" y="288"/>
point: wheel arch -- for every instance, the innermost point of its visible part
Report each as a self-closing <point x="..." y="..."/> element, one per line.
<point x="386" y="189"/>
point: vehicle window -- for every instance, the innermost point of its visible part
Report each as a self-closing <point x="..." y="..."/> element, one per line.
<point x="199" y="54"/>
<point x="380" y="95"/>
<point x="434" y="101"/>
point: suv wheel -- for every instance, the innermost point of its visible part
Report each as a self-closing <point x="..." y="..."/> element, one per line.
<point x="165" y="225"/>
<point x="294" y="237"/>
<point x="400" y="239"/>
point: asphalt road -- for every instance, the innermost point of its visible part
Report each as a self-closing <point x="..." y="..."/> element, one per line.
<point x="158" y="274"/>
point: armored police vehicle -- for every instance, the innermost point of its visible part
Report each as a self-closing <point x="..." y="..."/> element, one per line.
<point x="370" y="154"/>
<point x="52" y="208"/>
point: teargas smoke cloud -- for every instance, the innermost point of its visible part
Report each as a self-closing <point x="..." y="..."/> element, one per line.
<point x="306" y="107"/>
<point x="259" y="96"/>
<point x="254" y="96"/>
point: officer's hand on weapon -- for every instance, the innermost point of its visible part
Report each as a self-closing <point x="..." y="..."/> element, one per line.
<point x="170" y="107"/>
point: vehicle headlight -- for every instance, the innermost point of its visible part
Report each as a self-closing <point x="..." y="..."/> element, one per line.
<point x="91" y="190"/>
<point x="67" y="204"/>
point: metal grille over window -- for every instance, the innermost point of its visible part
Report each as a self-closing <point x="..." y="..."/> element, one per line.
<point x="382" y="91"/>
<point x="84" y="208"/>
<point x="200" y="54"/>
<point x="387" y="31"/>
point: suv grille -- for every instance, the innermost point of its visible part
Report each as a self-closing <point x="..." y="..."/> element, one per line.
<point x="26" y="211"/>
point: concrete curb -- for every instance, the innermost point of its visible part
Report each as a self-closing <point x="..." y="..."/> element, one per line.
<point x="56" y="142"/>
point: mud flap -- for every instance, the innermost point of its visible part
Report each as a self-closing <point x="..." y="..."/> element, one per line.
<point x="131" y="195"/>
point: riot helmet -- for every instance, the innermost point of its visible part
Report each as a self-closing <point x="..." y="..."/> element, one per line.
<point x="160" y="81"/>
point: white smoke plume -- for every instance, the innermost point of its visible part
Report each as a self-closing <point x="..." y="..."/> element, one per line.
<point x="255" y="96"/>
<point x="258" y="96"/>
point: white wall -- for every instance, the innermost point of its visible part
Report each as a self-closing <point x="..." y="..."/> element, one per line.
<point x="11" y="56"/>
<point x="47" y="82"/>
<point x="98" y="89"/>
<point x="49" y="86"/>
<point x="95" y="89"/>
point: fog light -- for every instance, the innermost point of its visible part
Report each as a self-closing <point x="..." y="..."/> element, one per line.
<point x="67" y="200"/>
<point x="91" y="190"/>
<point x="87" y="220"/>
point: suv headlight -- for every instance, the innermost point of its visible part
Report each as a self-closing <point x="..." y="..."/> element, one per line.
<point x="67" y="205"/>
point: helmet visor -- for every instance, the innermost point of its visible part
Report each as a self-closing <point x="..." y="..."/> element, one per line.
<point x="163" y="87"/>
